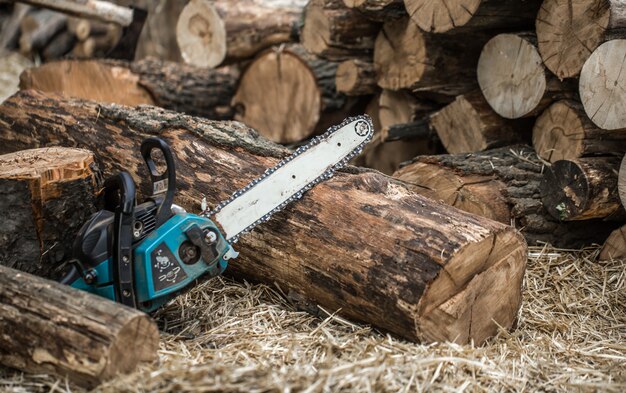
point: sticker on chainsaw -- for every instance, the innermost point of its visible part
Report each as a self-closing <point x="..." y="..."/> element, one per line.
<point x="159" y="187"/>
<point x="166" y="271"/>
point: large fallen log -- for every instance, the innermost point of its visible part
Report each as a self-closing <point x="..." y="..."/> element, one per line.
<point x="504" y="185"/>
<point x="47" y="327"/>
<point x="188" y="89"/>
<point x="46" y="195"/>
<point x="360" y="243"/>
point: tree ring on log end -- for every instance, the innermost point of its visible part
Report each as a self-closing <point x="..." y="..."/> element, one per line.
<point x="439" y="16"/>
<point x="558" y="133"/>
<point x="568" y="31"/>
<point x="511" y="75"/>
<point x="140" y="328"/>
<point x="201" y="34"/>
<point x="603" y="85"/>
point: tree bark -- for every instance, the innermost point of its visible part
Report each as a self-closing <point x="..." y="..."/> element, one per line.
<point x="582" y="189"/>
<point x="356" y="77"/>
<point x="569" y="31"/>
<point x="378" y="10"/>
<point x="504" y="185"/>
<point x="513" y="78"/>
<point x="388" y="270"/>
<point x="469" y="125"/>
<point x="46" y="196"/>
<point x="192" y="90"/>
<point x="49" y="327"/>
<point x="60" y="45"/>
<point x="439" y="16"/>
<point x="336" y="32"/>
<point x="603" y="87"/>
<point x="564" y="132"/>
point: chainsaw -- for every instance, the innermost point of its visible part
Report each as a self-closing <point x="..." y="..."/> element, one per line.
<point x="143" y="255"/>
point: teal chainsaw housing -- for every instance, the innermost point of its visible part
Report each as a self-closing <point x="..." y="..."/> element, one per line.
<point x="160" y="271"/>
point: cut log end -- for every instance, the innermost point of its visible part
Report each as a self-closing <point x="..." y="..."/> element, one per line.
<point x="317" y="29"/>
<point x="615" y="246"/>
<point x="201" y="35"/>
<point x="439" y="16"/>
<point x="568" y="31"/>
<point x="559" y="132"/>
<point x="50" y="164"/>
<point x="511" y="75"/>
<point x="603" y="86"/>
<point x="356" y="77"/>
<point x="140" y="333"/>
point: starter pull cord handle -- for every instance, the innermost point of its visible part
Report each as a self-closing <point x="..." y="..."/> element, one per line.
<point x="161" y="182"/>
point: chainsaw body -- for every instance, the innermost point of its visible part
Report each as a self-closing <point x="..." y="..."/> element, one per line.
<point x="144" y="255"/>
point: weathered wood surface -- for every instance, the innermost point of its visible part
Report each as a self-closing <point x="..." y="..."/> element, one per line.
<point x="504" y="185"/>
<point x="416" y="268"/>
<point x="46" y="195"/>
<point x="378" y="10"/>
<point x="50" y="328"/>
<point x="183" y="88"/>
<point x="615" y="245"/>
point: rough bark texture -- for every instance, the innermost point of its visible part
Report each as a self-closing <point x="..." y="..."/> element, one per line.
<point x="356" y="77"/>
<point x="581" y="189"/>
<point x="46" y="196"/>
<point x="48" y="327"/>
<point x="504" y="185"/>
<point x="615" y="245"/>
<point x="406" y="57"/>
<point x="334" y="31"/>
<point x="439" y="16"/>
<point x="378" y="10"/>
<point x="563" y="132"/>
<point x="192" y="90"/>
<point x="416" y="268"/>
<point x="469" y="125"/>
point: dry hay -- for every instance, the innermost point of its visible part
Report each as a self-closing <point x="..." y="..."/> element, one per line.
<point x="225" y="336"/>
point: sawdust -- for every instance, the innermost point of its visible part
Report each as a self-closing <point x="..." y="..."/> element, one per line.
<point x="227" y="336"/>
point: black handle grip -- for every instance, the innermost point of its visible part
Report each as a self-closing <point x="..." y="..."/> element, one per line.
<point x="123" y="183"/>
<point x="161" y="182"/>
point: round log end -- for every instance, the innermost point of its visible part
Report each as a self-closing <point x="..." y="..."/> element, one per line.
<point x="558" y="133"/>
<point x="439" y="16"/>
<point x="564" y="190"/>
<point x="511" y="75"/>
<point x="347" y="78"/>
<point x="603" y="85"/>
<point x="615" y="246"/>
<point x="316" y="30"/>
<point x="279" y="97"/>
<point x="201" y="35"/>
<point x="49" y="164"/>
<point x="568" y="31"/>
<point x="459" y="127"/>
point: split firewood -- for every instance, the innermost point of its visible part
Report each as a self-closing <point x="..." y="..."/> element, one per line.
<point x="284" y="93"/>
<point x="581" y="189"/>
<point x="60" y="45"/>
<point x="568" y="31"/>
<point x="406" y="57"/>
<point x="210" y="32"/>
<point x="439" y="16"/>
<point x="378" y="10"/>
<point x="504" y="185"/>
<point x="45" y="26"/>
<point x="49" y="328"/>
<point x="10" y="33"/>
<point x="513" y="78"/>
<point x="615" y="245"/>
<point x="336" y="32"/>
<point x="175" y="86"/>
<point x="386" y="271"/>
<point x="564" y="132"/>
<point x="46" y="195"/>
<point x="356" y="77"/>
<point x="468" y="125"/>
<point x="603" y="86"/>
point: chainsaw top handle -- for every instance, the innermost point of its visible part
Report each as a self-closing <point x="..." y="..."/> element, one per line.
<point x="161" y="182"/>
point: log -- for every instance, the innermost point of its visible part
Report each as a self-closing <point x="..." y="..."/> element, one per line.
<point x="513" y="78"/>
<point x="51" y="328"/>
<point x="581" y="189"/>
<point x="10" y="33"/>
<point x="46" y="195"/>
<point x="406" y="57"/>
<point x="395" y="282"/>
<point x="621" y="181"/>
<point x="439" y="16"/>
<point x="48" y="24"/>
<point x="603" y="87"/>
<point x="564" y="132"/>
<point x="378" y="10"/>
<point x="356" y="77"/>
<point x="469" y="125"/>
<point x="84" y="49"/>
<point x="569" y="31"/>
<point x="59" y="46"/>
<point x="336" y="32"/>
<point x="504" y="185"/>
<point x="187" y="89"/>
<point x="208" y="33"/>
<point x="615" y="245"/>
<point x="285" y="91"/>
<point x="96" y="9"/>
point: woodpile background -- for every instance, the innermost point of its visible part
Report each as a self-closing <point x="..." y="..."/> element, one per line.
<point x="514" y="111"/>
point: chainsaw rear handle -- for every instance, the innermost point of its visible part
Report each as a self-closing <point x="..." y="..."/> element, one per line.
<point x="161" y="182"/>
